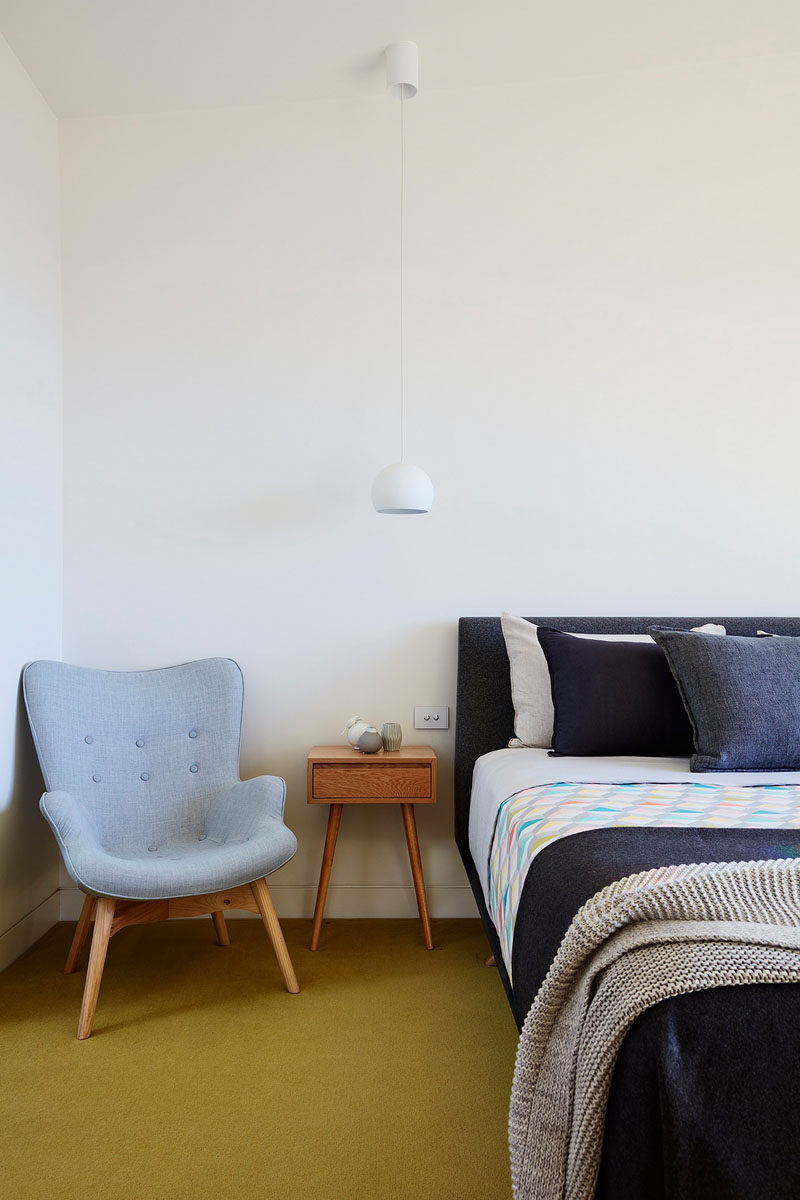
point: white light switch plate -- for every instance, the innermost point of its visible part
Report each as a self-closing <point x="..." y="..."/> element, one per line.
<point x="431" y="716"/>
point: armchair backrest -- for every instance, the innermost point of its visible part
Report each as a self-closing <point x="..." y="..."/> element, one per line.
<point x="140" y="750"/>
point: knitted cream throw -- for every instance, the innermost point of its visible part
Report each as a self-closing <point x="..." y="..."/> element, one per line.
<point x="656" y="934"/>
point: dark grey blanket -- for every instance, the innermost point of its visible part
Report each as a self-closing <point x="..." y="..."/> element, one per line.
<point x="652" y="935"/>
<point x="570" y="870"/>
<point x="702" y="1100"/>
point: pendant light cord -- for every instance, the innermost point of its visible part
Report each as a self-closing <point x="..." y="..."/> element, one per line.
<point x="402" y="305"/>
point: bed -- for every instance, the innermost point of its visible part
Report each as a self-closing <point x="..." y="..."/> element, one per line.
<point x="704" y="1094"/>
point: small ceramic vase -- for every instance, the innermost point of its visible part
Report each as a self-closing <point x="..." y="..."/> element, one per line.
<point x="391" y="735"/>
<point x="370" y="741"/>
<point x="354" y="729"/>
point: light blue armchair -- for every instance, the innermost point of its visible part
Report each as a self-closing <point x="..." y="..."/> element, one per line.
<point x="144" y="797"/>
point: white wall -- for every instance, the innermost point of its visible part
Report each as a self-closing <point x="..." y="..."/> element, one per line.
<point x="30" y="487"/>
<point x="602" y="380"/>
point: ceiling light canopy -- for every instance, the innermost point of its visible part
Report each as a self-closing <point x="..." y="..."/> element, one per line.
<point x="402" y="70"/>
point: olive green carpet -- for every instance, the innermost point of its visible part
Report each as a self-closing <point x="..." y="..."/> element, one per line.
<point x="388" y="1077"/>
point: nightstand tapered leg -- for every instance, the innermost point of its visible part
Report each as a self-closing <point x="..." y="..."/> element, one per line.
<point x="334" y="817"/>
<point x="416" y="870"/>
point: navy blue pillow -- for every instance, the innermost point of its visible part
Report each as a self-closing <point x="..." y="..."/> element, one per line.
<point x="613" y="698"/>
<point x="743" y="698"/>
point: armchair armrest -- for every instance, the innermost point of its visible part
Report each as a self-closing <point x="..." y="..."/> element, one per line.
<point x="74" y="829"/>
<point x="240" y="810"/>
<point x="68" y="820"/>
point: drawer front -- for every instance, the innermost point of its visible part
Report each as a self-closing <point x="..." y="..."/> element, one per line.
<point x="400" y="782"/>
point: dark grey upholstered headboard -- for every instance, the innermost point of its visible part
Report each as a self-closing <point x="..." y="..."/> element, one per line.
<point x="484" y="712"/>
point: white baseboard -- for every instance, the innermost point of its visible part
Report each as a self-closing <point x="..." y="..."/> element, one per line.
<point x="29" y="929"/>
<point x="344" y="901"/>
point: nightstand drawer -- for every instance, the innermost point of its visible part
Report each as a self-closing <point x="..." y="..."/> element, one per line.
<point x="367" y="782"/>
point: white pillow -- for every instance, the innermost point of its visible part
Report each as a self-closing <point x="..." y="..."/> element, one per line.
<point x="530" y="677"/>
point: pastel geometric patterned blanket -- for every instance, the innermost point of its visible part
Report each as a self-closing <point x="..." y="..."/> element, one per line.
<point x="531" y="819"/>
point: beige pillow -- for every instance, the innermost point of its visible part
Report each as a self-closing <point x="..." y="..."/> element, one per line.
<point x="530" y="678"/>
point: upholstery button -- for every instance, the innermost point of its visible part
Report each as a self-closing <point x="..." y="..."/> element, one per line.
<point x="152" y="848"/>
<point x="139" y="742"/>
<point x="202" y="837"/>
<point x="192" y="733"/>
<point x="97" y="778"/>
<point x="144" y="776"/>
<point x="88" y="739"/>
<point x="193" y="768"/>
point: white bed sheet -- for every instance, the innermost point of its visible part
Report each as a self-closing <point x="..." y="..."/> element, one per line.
<point x="501" y="773"/>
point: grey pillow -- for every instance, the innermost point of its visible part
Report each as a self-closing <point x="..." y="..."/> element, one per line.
<point x="742" y="696"/>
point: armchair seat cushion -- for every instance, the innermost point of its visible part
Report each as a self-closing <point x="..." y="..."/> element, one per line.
<point x="175" y="868"/>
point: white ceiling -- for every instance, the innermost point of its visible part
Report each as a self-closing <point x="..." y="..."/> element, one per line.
<point x="95" y="57"/>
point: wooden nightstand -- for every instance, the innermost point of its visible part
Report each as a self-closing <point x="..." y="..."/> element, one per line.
<point x="338" y="775"/>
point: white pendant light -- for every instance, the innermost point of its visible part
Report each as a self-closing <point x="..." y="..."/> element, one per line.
<point x="402" y="488"/>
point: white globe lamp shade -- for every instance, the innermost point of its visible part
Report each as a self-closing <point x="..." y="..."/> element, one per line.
<point x="402" y="488"/>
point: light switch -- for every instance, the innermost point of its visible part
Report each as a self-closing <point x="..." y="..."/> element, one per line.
<point x="431" y="716"/>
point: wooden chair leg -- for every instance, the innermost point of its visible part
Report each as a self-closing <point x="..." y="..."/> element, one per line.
<point x="97" y="957"/>
<point x="270" y="918"/>
<point x="81" y="930"/>
<point x="223" y="937"/>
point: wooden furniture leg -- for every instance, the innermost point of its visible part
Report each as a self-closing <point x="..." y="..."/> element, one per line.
<point x="334" y="817"/>
<point x="110" y="916"/>
<point x="81" y="930"/>
<point x="270" y="919"/>
<point x="223" y="937"/>
<point x="416" y="870"/>
<point x="97" y="957"/>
